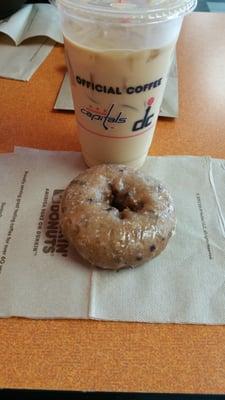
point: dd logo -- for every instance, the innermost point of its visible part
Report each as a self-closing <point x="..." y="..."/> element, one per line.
<point x="143" y="123"/>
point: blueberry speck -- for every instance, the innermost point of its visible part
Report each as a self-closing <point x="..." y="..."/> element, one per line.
<point x="152" y="248"/>
<point x="160" y="188"/>
<point x="81" y="183"/>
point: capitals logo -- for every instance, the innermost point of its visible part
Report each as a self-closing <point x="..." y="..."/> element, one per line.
<point x="146" y="121"/>
<point x="109" y="118"/>
<point x="106" y="116"/>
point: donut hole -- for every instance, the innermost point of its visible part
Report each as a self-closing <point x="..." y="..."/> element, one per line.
<point x="123" y="200"/>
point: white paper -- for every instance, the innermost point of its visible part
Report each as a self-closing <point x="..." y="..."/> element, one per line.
<point x="26" y="39"/>
<point x="20" y="62"/>
<point x="170" y="103"/>
<point x="33" y="20"/>
<point x="185" y="284"/>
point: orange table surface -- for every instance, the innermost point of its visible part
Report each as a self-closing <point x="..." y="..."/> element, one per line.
<point x="97" y="355"/>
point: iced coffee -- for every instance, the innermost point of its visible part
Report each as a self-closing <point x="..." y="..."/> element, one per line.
<point x="118" y="66"/>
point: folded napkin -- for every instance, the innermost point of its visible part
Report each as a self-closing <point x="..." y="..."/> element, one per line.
<point x="26" y="39"/>
<point x="41" y="276"/>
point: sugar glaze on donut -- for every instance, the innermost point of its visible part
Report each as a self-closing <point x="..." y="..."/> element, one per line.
<point x="117" y="218"/>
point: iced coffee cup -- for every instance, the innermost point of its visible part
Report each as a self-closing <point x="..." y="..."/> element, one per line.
<point x="118" y="55"/>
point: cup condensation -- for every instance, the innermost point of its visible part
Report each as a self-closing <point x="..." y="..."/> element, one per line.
<point x="118" y="56"/>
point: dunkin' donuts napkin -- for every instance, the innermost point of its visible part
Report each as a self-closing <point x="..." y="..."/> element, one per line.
<point x="26" y="39"/>
<point x="41" y="276"/>
<point x="169" y="106"/>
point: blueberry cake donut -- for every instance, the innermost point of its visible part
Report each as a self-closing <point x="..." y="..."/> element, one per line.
<point x="116" y="217"/>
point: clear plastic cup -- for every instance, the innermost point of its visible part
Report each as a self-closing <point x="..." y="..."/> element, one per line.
<point x="118" y="55"/>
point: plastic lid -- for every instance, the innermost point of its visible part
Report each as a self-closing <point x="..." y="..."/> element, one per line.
<point x="136" y="11"/>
